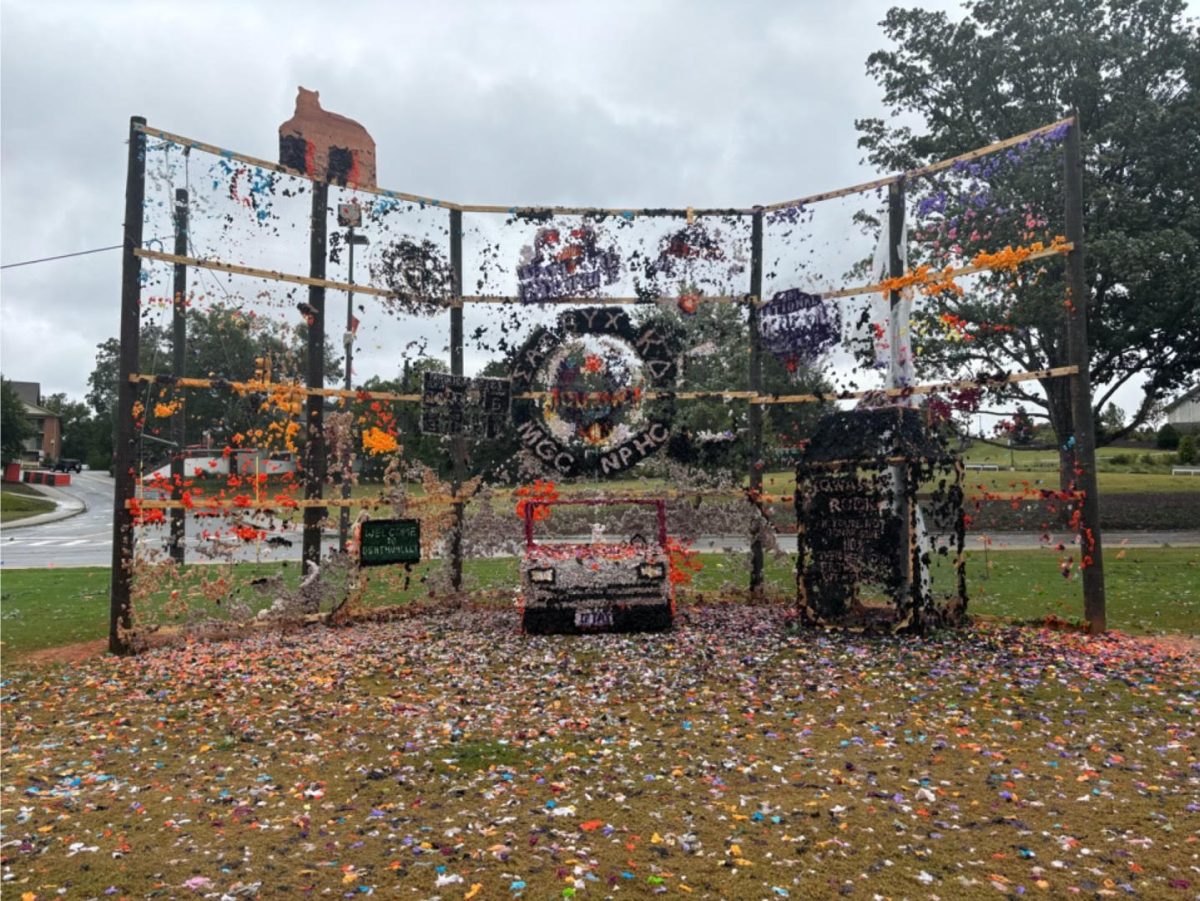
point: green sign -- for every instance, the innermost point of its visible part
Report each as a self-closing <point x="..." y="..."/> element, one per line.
<point x="386" y="541"/>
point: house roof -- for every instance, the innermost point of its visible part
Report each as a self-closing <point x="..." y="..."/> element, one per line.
<point x="35" y="410"/>
<point x="1194" y="394"/>
<point x="29" y="392"/>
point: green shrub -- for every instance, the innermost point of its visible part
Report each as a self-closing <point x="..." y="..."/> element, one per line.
<point x="1167" y="438"/>
<point x="1121" y="459"/>
<point x="1187" y="450"/>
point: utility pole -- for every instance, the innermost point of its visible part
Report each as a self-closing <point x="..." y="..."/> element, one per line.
<point x="120" y="618"/>
<point x="314" y="464"/>
<point x="178" y="364"/>
<point x="1092" y="561"/>
<point x="900" y="374"/>
<point x="349" y="217"/>
<point x="755" y="415"/>
<point x="458" y="443"/>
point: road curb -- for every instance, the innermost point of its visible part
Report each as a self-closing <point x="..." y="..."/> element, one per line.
<point x="68" y="506"/>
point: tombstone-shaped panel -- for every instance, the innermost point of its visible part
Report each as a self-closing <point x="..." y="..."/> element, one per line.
<point x="879" y="508"/>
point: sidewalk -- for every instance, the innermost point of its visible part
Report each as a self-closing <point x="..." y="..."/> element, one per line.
<point x="68" y="505"/>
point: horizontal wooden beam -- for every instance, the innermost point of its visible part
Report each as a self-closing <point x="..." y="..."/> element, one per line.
<point x="269" y="274"/>
<point x="223" y="507"/>
<point x="230" y="506"/>
<point x="919" y="171"/>
<point x="994" y="147"/>
<point x="534" y="211"/>
<point x="604" y="301"/>
<point x="193" y="144"/>
<point x="931" y="388"/>
<point x="831" y="195"/>
<point x="293" y="278"/>
<point x="953" y="273"/>
<point x="257" y="387"/>
<point x="537" y="212"/>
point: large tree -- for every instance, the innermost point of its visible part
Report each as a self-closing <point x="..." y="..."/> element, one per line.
<point x="79" y="432"/>
<point x="222" y="342"/>
<point x="716" y="341"/>
<point x="14" y="424"/>
<point x="1130" y="68"/>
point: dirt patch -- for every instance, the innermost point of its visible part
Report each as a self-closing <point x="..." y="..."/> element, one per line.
<point x="1174" y="645"/>
<point x="68" y="653"/>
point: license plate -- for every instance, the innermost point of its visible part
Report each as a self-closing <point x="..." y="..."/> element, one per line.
<point x="594" y="618"/>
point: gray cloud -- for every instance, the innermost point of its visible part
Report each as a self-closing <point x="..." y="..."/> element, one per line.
<point x="621" y="103"/>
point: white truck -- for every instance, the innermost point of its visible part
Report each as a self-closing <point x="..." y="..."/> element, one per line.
<point x="572" y="587"/>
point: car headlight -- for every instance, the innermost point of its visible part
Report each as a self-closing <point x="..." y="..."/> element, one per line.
<point x="542" y="576"/>
<point x="651" y="571"/>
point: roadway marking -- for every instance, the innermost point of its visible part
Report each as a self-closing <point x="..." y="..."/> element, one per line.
<point x="71" y="541"/>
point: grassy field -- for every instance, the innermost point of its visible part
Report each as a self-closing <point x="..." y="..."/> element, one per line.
<point x="1117" y="480"/>
<point x="1112" y="458"/>
<point x="447" y="756"/>
<point x="19" y="501"/>
<point x="1119" y="469"/>
<point x="1150" y="590"/>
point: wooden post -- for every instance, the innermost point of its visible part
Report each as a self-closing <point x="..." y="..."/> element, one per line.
<point x="347" y="384"/>
<point x="1092" y="563"/>
<point x="178" y="370"/>
<point x="120" y="613"/>
<point x="899" y="351"/>
<point x="756" y="411"/>
<point x="314" y="468"/>
<point x="458" y="445"/>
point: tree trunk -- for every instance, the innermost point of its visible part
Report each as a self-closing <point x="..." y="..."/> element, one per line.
<point x="1058" y="396"/>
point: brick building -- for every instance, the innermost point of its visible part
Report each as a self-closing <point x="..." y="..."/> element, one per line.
<point x="45" y="445"/>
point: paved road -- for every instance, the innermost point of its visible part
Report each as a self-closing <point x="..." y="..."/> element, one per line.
<point x="85" y="539"/>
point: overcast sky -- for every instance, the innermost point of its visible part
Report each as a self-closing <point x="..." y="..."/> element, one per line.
<point x="608" y="104"/>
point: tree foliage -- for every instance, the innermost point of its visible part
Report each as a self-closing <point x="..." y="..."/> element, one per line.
<point x="1019" y="429"/>
<point x="1187" y="450"/>
<point x="717" y="342"/>
<point x="78" y="427"/>
<point x="1130" y="68"/>
<point x="14" y="424"/>
<point x="222" y="343"/>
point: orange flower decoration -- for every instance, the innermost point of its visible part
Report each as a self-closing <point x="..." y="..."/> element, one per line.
<point x="540" y="490"/>
<point x="377" y="441"/>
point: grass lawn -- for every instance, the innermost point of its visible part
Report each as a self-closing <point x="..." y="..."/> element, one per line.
<point x="1149" y="590"/>
<point x="446" y="756"/>
<point x="18" y="501"/>
<point x="1112" y="481"/>
<point x="979" y="483"/>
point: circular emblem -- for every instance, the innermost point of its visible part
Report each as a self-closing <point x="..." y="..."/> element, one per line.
<point x="593" y="371"/>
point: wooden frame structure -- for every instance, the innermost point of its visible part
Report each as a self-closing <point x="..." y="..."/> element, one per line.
<point x="314" y="391"/>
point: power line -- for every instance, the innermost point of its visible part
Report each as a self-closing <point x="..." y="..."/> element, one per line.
<point x="61" y="256"/>
<point x="64" y="256"/>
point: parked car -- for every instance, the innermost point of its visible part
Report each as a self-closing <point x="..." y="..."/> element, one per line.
<point x="67" y="465"/>
<point x="596" y="586"/>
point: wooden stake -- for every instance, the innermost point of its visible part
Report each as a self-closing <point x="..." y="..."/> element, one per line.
<point x="314" y="456"/>
<point x="756" y="461"/>
<point x="1092" y="560"/>
<point x="178" y="368"/>
<point x="120" y="619"/>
